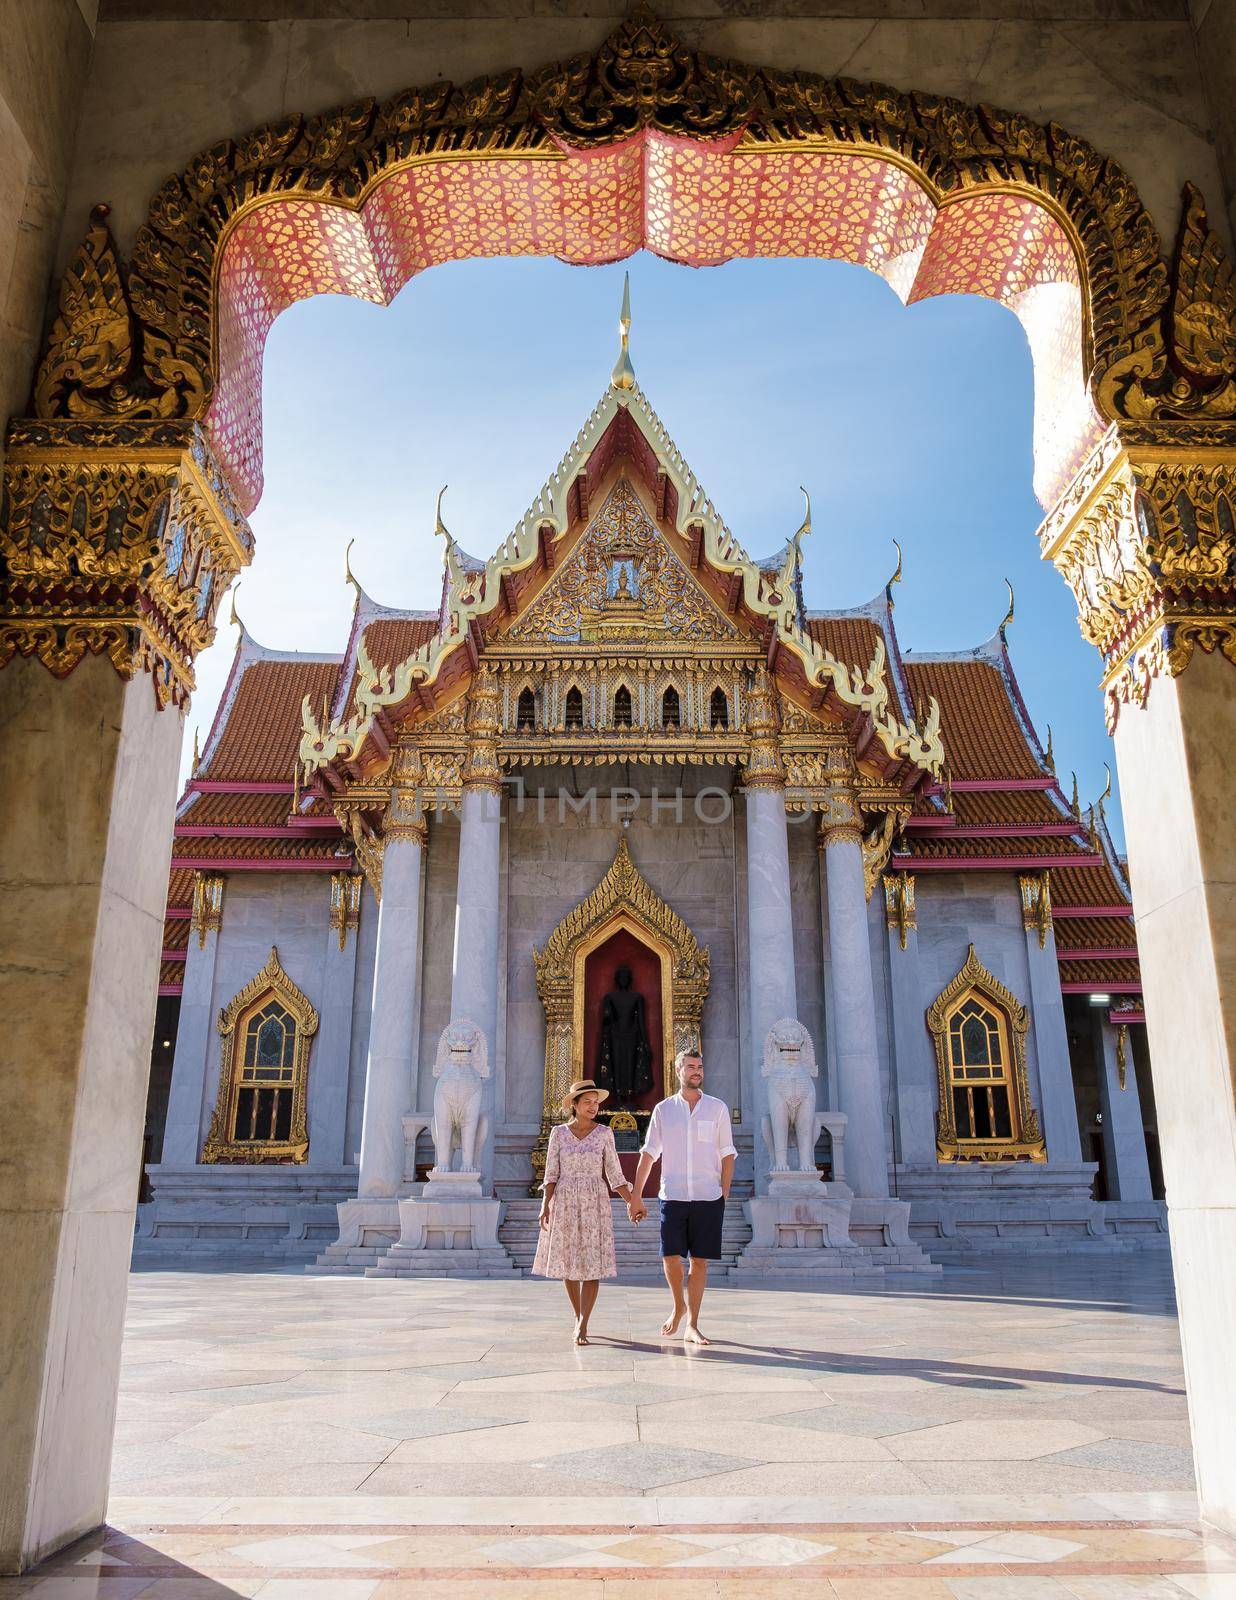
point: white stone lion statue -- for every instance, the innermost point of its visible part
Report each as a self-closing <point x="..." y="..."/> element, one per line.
<point x="789" y="1067"/>
<point x="461" y="1066"/>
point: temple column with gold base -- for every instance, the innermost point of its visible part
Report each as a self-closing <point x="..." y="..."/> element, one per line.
<point x="451" y="1227"/>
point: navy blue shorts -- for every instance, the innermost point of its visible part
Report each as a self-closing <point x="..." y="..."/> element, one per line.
<point x="692" y="1228"/>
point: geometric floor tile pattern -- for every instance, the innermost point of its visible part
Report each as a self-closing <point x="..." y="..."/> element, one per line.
<point x="1010" y="1431"/>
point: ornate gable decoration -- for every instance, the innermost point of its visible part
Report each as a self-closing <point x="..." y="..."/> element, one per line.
<point x="622" y="582"/>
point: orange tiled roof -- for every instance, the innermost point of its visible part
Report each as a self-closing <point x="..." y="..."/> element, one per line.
<point x="249" y="810"/>
<point x="982" y="735"/>
<point x="1087" y="886"/>
<point x="1093" y="933"/>
<point x="171" y="972"/>
<point x="1011" y="807"/>
<point x="176" y="932"/>
<point x="261" y="728"/>
<point x="1102" y="974"/>
<point x="311" y="849"/>
<point x="1001" y="844"/>
<point x="180" y="887"/>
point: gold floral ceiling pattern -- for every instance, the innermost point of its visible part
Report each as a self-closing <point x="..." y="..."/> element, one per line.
<point x="697" y="203"/>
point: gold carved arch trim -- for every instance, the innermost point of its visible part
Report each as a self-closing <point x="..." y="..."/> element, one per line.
<point x="1013" y="1023"/>
<point x="270" y="984"/>
<point x="623" y="899"/>
<point x="151" y="346"/>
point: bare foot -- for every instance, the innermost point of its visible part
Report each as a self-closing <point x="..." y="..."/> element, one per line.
<point x="694" y="1336"/>
<point x="670" y="1326"/>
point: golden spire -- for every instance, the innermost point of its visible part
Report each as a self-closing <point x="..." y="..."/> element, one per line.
<point x="1049" y="755"/>
<point x="348" y="575"/>
<point x="1008" y="615"/>
<point x="197" y="749"/>
<point x="623" y="376"/>
<point x="896" y="577"/>
<point x="1075" y="803"/>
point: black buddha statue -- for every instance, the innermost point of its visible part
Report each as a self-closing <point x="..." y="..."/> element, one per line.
<point x="625" y="1067"/>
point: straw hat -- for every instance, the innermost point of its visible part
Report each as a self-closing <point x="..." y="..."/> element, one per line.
<point x="581" y="1086"/>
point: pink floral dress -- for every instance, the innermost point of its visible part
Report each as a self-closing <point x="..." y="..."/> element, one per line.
<point x="579" y="1242"/>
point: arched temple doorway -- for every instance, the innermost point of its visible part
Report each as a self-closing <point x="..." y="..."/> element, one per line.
<point x="124" y="523"/>
<point x="623" y="920"/>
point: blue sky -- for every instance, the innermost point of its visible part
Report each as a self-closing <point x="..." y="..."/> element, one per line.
<point x="912" y="424"/>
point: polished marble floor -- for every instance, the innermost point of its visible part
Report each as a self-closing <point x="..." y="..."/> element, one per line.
<point x="1013" y="1431"/>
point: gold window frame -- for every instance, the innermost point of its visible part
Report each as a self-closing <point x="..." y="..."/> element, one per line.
<point x="272" y="982"/>
<point x="1026" y="1142"/>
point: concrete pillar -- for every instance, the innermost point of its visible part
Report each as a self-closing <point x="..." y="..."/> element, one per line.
<point x="195" y="1077"/>
<point x="474" y="980"/>
<point x="770" y="941"/>
<point x="390" y="1076"/>
<point x="331" y="1054"/>
<point x="914" y="1061"/>
<point x="1124" y="1138"/>
<point x="1049" y="1041"/>
<point x="858" y="1064"/>
<point x="88" y="789"/>
<point x="1175" y="761"/>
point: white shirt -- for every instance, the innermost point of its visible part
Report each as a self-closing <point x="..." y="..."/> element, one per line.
<point x="691" y="1144"/>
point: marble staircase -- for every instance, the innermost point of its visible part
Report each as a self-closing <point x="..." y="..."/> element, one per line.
<point x="638" y="1249"/>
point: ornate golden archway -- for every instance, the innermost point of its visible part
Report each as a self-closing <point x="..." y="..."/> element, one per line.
<point x="126" y="493"/>
<point x="623" y="899"/>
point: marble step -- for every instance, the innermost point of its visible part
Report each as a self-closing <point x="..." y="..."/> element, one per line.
<point x="637" y="1249"/>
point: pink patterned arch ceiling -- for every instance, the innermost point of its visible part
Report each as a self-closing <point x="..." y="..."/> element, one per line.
<point x="697" y="203"/>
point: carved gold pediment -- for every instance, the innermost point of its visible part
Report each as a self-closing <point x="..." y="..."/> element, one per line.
<point x="622" y="582"/>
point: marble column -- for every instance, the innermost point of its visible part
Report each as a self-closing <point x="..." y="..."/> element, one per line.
<point x="332" y="1050"/>
<point x="858" y="1064"/>
<point x="914" y="1062"/>
<point x="88" y="797"/>
<point x="1049" y="1039"/>
<point x="1124" y="1137"/>
<point x="390" y="1077"/>
<point x="195" y="1075"/>
<point x="770" y="941"/>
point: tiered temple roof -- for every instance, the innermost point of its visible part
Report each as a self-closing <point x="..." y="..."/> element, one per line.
<point x="950" y="732"/>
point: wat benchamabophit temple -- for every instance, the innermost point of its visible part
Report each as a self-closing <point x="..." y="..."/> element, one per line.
<point x="407" y="876"/>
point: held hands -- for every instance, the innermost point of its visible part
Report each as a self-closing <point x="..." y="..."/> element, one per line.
<point x="636" y="1210"/>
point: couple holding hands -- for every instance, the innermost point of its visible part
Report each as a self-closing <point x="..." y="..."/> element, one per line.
<point x="690" y="1132"/>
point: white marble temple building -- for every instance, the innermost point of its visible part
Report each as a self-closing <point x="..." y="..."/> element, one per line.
<point x="623" y="740"/>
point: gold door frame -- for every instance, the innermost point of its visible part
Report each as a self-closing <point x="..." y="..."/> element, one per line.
<point x="623" y="899"/>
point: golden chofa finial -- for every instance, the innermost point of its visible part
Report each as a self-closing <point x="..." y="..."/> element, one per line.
<point x="439" y="526"/>
<point x="234" y="615"/>
<point x="896" y="577"/>
<point x="348" y="575"/>
<point x="623" y="376"/>
<point x="1008" y="615"/>
<point x="197" y="750"/>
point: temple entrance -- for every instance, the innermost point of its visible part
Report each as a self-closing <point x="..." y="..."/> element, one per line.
<point x="647" y="1041"/>
<point x="623" y="922"/>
